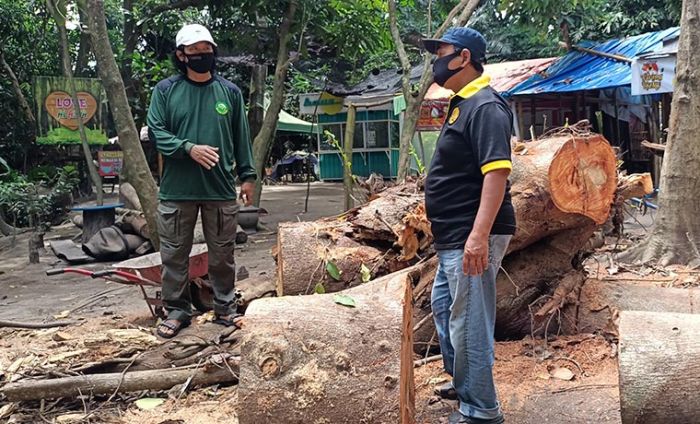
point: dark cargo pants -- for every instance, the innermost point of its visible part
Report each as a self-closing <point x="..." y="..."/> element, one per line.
<point x="176" y="223"/>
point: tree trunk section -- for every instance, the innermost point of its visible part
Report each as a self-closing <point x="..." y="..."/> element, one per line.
<point x="347" y="156"/>
<point x="256" y="109"/>
<point x="321" y="362"/>
<point x="577" y="173"/>
<point x="35" y="244"/>
<point x="21" y="99"/>
<point x="676" y="234"/>
<point x="262" y="144"/>
<point x="659" y="368"/>
<point x="601" y="302"/>
<point x="134" y="158"/>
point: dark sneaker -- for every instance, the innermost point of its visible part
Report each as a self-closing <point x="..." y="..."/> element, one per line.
<point x="446" y="391"/>
<point x="457" y="418"/>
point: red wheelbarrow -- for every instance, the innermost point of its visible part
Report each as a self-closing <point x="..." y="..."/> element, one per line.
<point x="146" y="271"/>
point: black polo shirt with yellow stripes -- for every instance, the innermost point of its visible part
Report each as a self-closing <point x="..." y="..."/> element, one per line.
<point x="474" y="141"/>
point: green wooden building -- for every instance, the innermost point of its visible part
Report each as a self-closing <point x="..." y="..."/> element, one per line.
<point x="375" y="142"/>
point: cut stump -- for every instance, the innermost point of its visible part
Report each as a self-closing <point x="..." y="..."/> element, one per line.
<point x="309" y="359"/>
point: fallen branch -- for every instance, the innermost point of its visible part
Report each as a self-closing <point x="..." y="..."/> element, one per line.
<point x="429" y="359"/>
<point x="36" y="325"/>
<point x="101" y="384"/>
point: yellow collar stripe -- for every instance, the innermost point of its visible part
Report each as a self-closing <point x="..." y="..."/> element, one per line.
<point x="473" y="87"/>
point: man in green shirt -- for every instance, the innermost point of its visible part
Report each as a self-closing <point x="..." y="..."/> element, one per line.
<point x="198" y="122"/>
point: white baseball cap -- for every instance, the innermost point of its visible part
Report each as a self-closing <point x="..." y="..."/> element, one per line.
<point x="193" y="33"/>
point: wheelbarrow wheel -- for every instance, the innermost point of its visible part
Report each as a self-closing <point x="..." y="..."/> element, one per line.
<point x="202" y="297"/>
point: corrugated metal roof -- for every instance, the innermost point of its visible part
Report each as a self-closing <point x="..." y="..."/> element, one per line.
<point x="504" y="76"/>
<point x="578" y="71"/>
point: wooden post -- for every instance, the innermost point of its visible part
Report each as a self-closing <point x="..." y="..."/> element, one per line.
<point x="347" y="156"/>
<point x="533" y="116"/>
<point x="659" y="367"/>
<point x="521" y="124"/>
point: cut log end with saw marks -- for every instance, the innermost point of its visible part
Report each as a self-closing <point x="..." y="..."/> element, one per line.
<point x="582" y="177"/>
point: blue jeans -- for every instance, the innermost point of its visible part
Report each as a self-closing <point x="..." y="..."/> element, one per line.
<point x="464" y="309"/>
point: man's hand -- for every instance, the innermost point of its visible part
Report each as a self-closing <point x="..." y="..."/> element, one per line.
<point x="204" y="155"/>
<point x="476" y="255"/>
<point x="247" y="192"/>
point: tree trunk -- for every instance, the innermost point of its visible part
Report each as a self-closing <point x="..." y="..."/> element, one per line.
<point x="256" y="108"/>
<point x="391" y="232"/>
<point x="546" y="172"/>
<point x="601" y="302"/>
<point x="347" y="156"/>
<point x="414" y="99"/>
<point x="106" y="384"/>
<point x="7" y="229"/>
<point x="21" y="99"/>
<point x="35" y="244"/>
<point x="659" y="365"/>
<point x="320" y="361"/>
<point x="262" y="144"/>
<point x="68" y="72"/>
<point x="134" y="158"/>
<point x="676" y="234"/>
<point x="83" y="56"/>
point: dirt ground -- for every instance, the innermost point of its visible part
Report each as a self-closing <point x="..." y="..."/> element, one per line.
<point x="526" y="372"/>
<point x="27" y="294"/>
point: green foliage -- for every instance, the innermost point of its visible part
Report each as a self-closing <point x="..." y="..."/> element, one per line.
<point x="365" y="273"/>
<point x="345" y="300"/>
<point x="61" y="135"/>
<point x="4" y="166"/>
<point x="333" y="270"/>
<point x="595" y="20"/>
<point x="36" y="203"/>
<point x="419" y="162"/>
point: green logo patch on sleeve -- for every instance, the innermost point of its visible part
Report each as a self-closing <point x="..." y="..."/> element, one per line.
<point x="221" y="108"/>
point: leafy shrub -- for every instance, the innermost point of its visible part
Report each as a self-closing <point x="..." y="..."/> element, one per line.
<point x="37" y="203"/>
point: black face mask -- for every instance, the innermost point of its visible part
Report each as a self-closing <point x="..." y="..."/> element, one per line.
<point x="441" y="71"/>
<point x="200" y="62"/>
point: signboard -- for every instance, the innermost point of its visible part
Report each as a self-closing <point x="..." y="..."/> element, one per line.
<point x="432" y="115"/>
<point x="320" y="104"/>
<point x="110" y="163"/>
<point x="653" y="75"/>
<point x="56" y="119"/>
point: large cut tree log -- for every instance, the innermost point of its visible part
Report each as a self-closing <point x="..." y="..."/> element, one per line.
<point x="601" y="302"/>
<point x="104" y="384"/>
<point x="308" y="359"/>
<point x="561" y="183"/>
<point x="659" y="368"/>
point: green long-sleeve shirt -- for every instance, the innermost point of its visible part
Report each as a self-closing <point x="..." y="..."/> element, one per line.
<point x="185" y="113"/>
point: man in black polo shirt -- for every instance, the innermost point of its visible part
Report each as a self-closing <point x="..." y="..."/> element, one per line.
<point x="467" y="198"/>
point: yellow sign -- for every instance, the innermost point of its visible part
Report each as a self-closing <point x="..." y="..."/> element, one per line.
<point x="325" y="104"/>
<point x="454" y="116"/>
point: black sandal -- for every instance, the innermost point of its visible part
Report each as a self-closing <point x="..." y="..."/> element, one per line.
<point x="170" y="325"/>
<point x="228" y="320"/>
<point x="446" y="391"/>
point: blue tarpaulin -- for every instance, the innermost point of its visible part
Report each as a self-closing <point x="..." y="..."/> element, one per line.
<point x="578" y="71"/>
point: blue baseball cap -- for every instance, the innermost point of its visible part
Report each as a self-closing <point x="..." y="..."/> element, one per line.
<point x="460" y="37"/>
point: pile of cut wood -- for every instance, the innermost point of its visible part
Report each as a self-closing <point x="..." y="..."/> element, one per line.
<point x="356" y="345"/>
